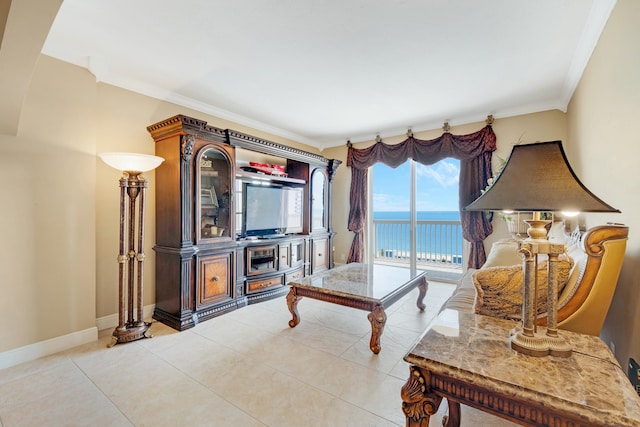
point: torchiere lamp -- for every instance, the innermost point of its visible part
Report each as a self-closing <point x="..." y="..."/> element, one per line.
<point x="538" y="178"/>
<point x="132" y="186"/>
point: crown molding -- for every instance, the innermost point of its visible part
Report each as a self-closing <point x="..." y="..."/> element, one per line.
<point x="548" y="105"/>
<point x="184" y="101"/>
<point x="597" y="19"/>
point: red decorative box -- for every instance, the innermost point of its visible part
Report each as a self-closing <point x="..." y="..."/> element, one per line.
<point x="268" y="169"/>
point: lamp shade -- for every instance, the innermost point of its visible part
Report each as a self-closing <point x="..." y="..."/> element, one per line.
<point x="538" y="177"/>
<point x="131" y="162"/>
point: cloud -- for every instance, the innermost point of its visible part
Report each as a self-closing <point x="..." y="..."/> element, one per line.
<point x="445" y="173"/>
<point x="391" y="202"/>
<point x="437" y="187"/>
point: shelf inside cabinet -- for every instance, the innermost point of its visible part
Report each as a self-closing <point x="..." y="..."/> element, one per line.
<point x="264" y="177"/>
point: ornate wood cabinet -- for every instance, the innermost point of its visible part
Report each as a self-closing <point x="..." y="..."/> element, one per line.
<point x="204" y="266"/>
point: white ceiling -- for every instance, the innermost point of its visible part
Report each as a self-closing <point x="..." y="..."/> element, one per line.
<point x="321" y="72"/>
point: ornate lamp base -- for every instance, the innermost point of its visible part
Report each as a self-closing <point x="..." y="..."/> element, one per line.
<point x="539" y="345"/>
<point x="527" y="339"/>
<point x="130" y="333"/>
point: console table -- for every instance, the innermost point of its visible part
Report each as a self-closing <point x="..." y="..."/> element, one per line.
<point x="466" y="358"/>
<point x="370" y="287"/>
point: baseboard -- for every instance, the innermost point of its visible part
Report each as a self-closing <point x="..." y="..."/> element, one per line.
<point x="111" y="321"/>
<point x="65" y="342"/>
<point x="47" y="347"/>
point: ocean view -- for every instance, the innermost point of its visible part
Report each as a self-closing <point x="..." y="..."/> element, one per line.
<point x="422" y="215"/>
<point x="434" y="240"/>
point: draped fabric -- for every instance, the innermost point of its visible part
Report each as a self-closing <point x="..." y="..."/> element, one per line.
<point x="474" y="152"/>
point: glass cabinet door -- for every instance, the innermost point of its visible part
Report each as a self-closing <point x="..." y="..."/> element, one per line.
<point x="318" y="200"/>
<point x="214" y="195"/>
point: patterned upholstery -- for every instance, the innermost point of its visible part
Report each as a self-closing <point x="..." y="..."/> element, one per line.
<point x="499" y="289"/>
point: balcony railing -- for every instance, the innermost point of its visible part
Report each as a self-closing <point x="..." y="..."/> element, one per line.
<point x="438" y="243"/>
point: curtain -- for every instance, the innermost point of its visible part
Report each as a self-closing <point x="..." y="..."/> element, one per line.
<point x="474" y="152"/>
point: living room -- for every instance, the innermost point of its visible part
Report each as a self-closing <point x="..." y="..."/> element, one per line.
<point x="59" y="224"/>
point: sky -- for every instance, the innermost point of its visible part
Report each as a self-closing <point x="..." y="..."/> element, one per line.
<point x="437" y="186"/>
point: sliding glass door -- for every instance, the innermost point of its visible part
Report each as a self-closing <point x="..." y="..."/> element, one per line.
<point x="392" y="206"/>
<point x="415" y="218"/>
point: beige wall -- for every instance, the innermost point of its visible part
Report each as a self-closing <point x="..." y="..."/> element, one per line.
<point x="47" y="188"/>
<point x="605" y="148"/>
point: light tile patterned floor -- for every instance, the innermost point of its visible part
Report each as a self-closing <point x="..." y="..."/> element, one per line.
<point x="246" y="368"/>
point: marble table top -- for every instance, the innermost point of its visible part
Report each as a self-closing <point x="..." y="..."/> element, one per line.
<point x="369" y="281"/>
<point x="476" y="349"/>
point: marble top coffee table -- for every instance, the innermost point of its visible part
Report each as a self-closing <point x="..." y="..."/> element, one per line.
<point x="368" y="287"/>
<point x="466" y="358"/>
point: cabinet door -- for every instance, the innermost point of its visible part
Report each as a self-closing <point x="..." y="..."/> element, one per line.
<point x="261" y="259"/>
<point x="318" y="200"/>
<point x="284" y="260"/>
<point x="214" y="210"/>
<point x="297" y="253"/>
<point x="319" y="255"/>
<point x="215" y="279"/>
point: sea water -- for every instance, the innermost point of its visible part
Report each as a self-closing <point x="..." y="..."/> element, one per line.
<point x="432" y="240"/>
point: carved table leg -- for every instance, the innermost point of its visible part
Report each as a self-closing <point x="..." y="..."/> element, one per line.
<point x="417" y="403"/>
<point x="292" y="303"/>
<point x="378" y="318"/>
<point x="422" y="287"/>
<point x="453" y="419"/>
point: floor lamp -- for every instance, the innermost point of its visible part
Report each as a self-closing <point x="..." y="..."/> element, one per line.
<point x="538" y="178"/>
<point x="132" y="188"/>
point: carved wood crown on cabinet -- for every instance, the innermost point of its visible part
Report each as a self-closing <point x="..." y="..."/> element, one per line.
<point x="202" y="275"/>
<point x="186" y="124"/>
<point x="273" y="148"/>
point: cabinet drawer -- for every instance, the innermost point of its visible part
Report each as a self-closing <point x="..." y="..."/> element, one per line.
<point x="294" y="275"/>
<point x="263" y="284"/>
<point x="214" y="279"/>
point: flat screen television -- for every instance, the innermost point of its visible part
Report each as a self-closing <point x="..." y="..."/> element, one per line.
<point x="271" y="210"/>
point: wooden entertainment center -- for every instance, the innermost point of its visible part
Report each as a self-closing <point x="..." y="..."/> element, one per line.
<point x="205" y="264"/>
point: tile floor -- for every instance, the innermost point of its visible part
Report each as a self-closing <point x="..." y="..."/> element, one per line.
<point x="245" y="368"/>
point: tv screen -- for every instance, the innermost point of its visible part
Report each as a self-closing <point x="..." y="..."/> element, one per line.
<point x="271" y="210"/>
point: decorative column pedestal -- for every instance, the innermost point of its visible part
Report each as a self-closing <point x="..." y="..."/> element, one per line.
<point x="527" y="339"/>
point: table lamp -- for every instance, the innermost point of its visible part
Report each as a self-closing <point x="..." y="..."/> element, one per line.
<point x="538" y="178"/>
<point x="132" y="185"/>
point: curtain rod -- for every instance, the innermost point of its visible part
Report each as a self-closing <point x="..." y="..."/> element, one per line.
<point x="445" y="127"/>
